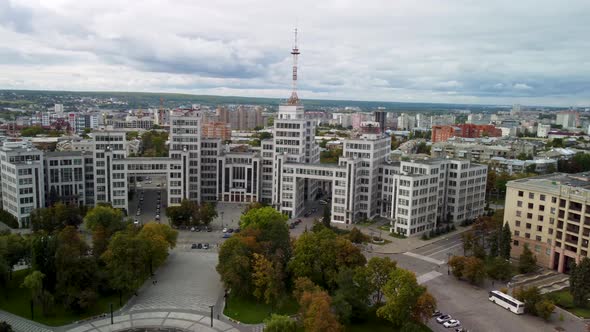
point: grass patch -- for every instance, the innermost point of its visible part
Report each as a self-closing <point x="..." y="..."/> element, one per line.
<point x="375" y="324"/>
<point x="251" y="311"/>
<point x="564" y="299"/>
<point x="384" y="228"/>
<point x="16" y="300"/>
<point x="367" y="222"/>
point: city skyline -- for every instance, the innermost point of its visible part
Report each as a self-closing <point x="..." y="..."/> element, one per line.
<point x="491" y="53"/>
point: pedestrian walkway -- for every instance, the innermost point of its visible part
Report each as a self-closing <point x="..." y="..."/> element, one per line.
<point x="20" y="324"/>
<point x="158" y="320"/>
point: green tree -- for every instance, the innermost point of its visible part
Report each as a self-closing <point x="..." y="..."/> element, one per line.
<point x="351" y="298"/>
<point x="326" y="218"/>
<point x="379" y="271"/>
<point x="580" y="282"/>
<point x="356" y="236"/>
<point x="272" y="232"/>
<point x="402" y="293"/>
<point x="125" y="262"/>
<point x="479" y="251"/>
<point x="158" y="239"/>
<point x="103" y="222"/>
<point x="505" y="242"/>
<point x="5" y="327"/>
<point x="527" y="262"/>
<point x="499" y="269"/>
<point x="75" y="271"/>
<point x="280" y="323"/>
<point x="468" y="240"/>
<point x="544" y="308"/>
<point x="55" y="218"/>
<point x="43" y="250"/>
<point x="457" y="264"/>
<point x="13" y="248"/>
<point x="234" y="265"/>
<point x="34" y="282"/>
<point x="493" y="244"/>
<point x="530" y="296"/>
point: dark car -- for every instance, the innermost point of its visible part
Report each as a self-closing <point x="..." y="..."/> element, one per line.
<point x="194" y="246"/>
<point x="292" y="225"/>
<point x="230" y="230"/>
<point x="209" y="229"/>
<point x="197" y="229"/>
<point x="199" y="246"/>
<point x="436" y="313"/>
<point x="237" y="230"/>
<point x="226" y="235"/>
<point x="298" y="221"/>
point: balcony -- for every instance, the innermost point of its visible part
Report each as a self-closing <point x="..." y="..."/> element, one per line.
<point x="570" y="239"/>
<point x="586" y="232"/>
<point x="573" y="217"/>
<point x="573" y="228"/>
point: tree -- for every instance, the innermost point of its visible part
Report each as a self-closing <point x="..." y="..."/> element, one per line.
<point x="457" y="264"/>
<point x="493" y="244"/>
<point x="356" y="236"/>
<point x="319" y="255"/>
<point x="13" y="248"/>
<point x="424" y="307"/>
<point x="234" y="265"/>
<point x="530" y="296"/>
<point x="55" y="218"/>
<point x="302" y="285"/>
<point x="75" y="271"/>
<point x="43" y="252"/>
<point x="280" y="323"/>
<point x="402" y="292"/>
<point x="5" y="327"/>
<point x="474" y="270"/>
<point x="34" y="282"/>
<point x="351" y="299"/>
<point x="316" y="312"/>
<point x="505" y="242"/>
<point x="580" y="282"/>
<point x="125" y="261"/>
<point x="103" y="221"/>
<point x="326" y="217"/>
<point x="379" y="271"/>
<point x="271" y="231"/>
<point x="269" y="284"/>
<point x="468" y="240"/>
<point x="527" y="262"/>
<point x="544" y="308"/>
<point x="499" y="269"/>
<point x="158" y="238"/>
<point x="479" y="251"/>
<point x="410" y="326"/>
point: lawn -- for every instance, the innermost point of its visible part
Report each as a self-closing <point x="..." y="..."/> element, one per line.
<point x="564" y="299"/>
<point x="250" y="311"/>
<point x="16" y="300"/>
<point x="375" y="324"/>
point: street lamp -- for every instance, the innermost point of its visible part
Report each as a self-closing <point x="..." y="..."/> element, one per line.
<point x="211" y="307"/>
<point x="448" y="267"/>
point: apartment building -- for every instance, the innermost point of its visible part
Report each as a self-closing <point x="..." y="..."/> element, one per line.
<point x="550" y="214"/>
<point x="65" y="178"/>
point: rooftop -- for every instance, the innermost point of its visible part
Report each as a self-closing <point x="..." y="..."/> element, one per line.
<point x="552" y="182"/>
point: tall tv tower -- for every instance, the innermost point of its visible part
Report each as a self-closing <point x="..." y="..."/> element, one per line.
<point x="294" y="99"/>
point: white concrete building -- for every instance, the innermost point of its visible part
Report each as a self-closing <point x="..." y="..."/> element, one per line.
<point x="543" y="130"/>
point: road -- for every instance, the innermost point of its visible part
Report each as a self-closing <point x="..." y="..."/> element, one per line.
<point x="150" y="203"/>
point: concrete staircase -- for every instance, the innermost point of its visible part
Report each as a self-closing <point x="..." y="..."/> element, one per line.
<point x="546" y="281"/>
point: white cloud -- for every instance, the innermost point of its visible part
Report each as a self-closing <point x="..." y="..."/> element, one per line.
<point x="502" y="51"/>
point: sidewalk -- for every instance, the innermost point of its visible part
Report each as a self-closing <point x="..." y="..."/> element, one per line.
<point x="397" y="245"/>
<point x="20" y="324"/>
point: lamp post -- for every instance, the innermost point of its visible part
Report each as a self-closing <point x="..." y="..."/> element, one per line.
<point x="211" y="307"/>
<point x="448" y="267"/>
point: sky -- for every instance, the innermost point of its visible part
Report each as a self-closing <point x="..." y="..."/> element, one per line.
<point x="531" y="52"/>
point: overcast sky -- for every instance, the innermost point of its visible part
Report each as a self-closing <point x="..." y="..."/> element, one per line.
<point x="531" y="52"/>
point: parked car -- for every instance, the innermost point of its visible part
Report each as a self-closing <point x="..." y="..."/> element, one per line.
<point x="451" y="323"/>
<point x="314" y="210"/>
<point x="209" y="229"/>
<point x="197" y="229"/>
<point x="292" y="225"/>
<point x="199" y="246"/>
<point x="436" y="313"/>
<point x="224" y="230"/>
<point x="157" y="217"/>
<point x="460" y="329"/>
<point x="194" y="246"/>
<point x="322" y="202"/>
<point x="298" y="221"/>
<point x="230" y="230"/>
<point x="226" y="235"/>
<point x="205" y="245"/>
<point x="192" y="229"/>
<point x="443" y="318"/>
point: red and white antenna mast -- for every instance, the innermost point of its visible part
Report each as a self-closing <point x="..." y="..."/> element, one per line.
<point x="294" y="100"/>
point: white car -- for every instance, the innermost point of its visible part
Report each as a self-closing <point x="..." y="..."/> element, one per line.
<point x="451" y="323"/>
<point x="443" y="318"/>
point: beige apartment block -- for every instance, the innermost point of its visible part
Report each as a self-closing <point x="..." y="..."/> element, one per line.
<point x="552" y="215"/>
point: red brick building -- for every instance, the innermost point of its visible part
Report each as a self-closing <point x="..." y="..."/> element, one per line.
<point x="466" y="130"/>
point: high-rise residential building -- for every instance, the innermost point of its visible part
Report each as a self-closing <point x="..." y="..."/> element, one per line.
<point x="568" y="119"/>
<point x="221" y="130"/>
<point x="406" y="122"/>
<point x="550" y="214"/>
<point x="22" y="180"/>
<point x="380" y="117"/>
<point x="58" y="108"/>
<point x="244" y="118"/>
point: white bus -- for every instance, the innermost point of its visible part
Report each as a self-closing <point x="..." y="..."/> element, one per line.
<point x="507" y="302"/>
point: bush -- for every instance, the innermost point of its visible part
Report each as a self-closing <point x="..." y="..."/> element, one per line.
<point x="424" y="236"/>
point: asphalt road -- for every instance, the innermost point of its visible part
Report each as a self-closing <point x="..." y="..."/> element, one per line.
<point x="149" y="204"/>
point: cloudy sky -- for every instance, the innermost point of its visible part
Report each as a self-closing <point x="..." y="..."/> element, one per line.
<point x="533" y="52"/>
